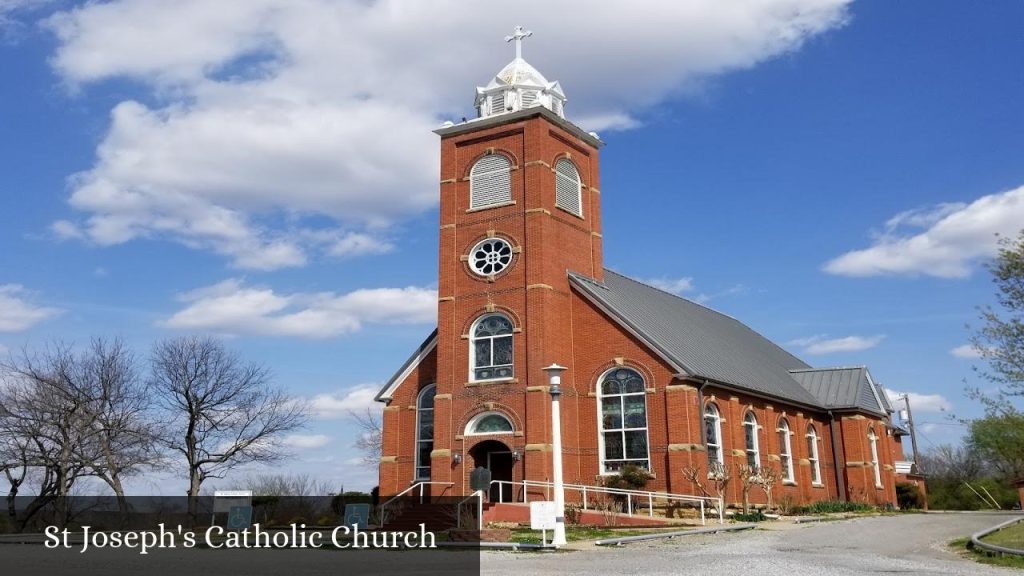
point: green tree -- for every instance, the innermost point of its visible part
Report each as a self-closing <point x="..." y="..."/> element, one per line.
<point x="1000" y="340"/>
<point x="998" y="439"/>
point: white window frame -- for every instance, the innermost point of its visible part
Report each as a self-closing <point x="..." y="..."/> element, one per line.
<point x="750" y="420"/>
<point x="476" y="420"/>
<point x="600" y="422"/>
<point x="419" y="419"/>
<point x="711" y="412"/>
<point x="473" y="338"/>
<point x="577" y="181"/>
<point x="475" y="176"/>
<point x="812" y="455"/>
<point x="873" y="440"/>
<point x="786" y="452"/>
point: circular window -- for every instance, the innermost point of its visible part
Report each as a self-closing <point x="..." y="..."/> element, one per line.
<point x="490" y="256"/>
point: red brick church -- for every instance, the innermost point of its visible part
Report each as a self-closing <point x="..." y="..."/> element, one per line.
<point x="653" y="379"/>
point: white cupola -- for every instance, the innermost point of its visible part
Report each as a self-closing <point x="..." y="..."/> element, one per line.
<point x="519" y="86"/>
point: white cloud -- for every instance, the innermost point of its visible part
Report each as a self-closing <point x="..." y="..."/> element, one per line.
<point x="17" y="313"/>
<point x="945" y="241"/>
<point x="339" y="405"/>
<point x="920" y="402"/>
<point x="965" y="351"/>
<point x="306" y="441"/>
<point x="821" y="344"/>
<point x="259" y="112"/>
<point x="231" y="307"/>
<point x="673" y="285"/>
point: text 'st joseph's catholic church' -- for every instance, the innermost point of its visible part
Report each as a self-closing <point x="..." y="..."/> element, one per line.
<point x="653" y="379"/>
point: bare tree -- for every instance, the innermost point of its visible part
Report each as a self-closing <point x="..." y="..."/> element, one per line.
<point x="748" y="478"/>
<point x="371" y="435"/>
<point x="768" y="477"/>
<point x="222" y="413"/>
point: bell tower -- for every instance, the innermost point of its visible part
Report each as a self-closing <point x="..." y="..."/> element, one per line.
<point x="519" y="209"/>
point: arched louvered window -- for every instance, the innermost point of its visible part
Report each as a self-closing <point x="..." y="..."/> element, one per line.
<point x="490" y="181"/>
<point x="567" y="187"/>
<point x="424" y="431"/>
<point x="786" y="452"/>
<point x="490" y="348"/>
<point x="623" y="422"/>
<point x="713" y="437"/>
<point x="812" y="454"/>
<point x="750" y="437"/>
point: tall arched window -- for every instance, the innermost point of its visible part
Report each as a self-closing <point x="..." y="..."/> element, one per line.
<point x="568" y="194"/>
<point x="490" y="181"/>
<point x="424" y="431"/>
<point x="713" y="437"/>
<point x="623" y="421"/>
<point x="750" y="436"/>
<point x="490" y="348"/>
<point x="812" y="454"/>
<point x="785" y="452"/>
<point x="873" y="440"/>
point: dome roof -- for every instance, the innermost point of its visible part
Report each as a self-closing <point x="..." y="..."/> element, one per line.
<point x="518" y="86"/>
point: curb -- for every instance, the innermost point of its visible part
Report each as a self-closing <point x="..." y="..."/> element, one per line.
<point x="713" y="530"/>
<point x="977" y="536"/>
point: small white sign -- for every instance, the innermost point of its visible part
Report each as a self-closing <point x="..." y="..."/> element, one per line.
<point x="542" y="515"/>
<point x="225" y="500"/>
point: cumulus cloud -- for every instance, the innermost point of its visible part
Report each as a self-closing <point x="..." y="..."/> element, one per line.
<point x="673" y="285"/>
<point x="821" y="344"/>
<point x="920" y="402"/>
<point x="965" y="351"/>
<point x="339" y="405"/>
<point x="945" y="241"/>
<point x="261" y="117"/>
<point x="231" y="307"/>
<point x="306" y="441"/>
<point x="18" y="313"/>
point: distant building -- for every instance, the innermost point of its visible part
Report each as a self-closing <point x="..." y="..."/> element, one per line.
<point x="653" y="379"/>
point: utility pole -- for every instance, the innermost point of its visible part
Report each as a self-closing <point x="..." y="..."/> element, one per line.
<point x="913" y="431"/>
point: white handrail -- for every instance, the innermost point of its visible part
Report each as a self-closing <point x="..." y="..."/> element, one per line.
<point x="413" y="486"/>
<point x="479" y="495"/>
<point x="629" y="494"/>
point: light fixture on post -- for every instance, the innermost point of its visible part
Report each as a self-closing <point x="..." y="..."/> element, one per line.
<point x="516" y="456"/>
<point x="555" y="388"/>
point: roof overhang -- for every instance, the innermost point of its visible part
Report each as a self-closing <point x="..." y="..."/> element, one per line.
<point x="417" y="357"/>
<point x="519" y="115"/>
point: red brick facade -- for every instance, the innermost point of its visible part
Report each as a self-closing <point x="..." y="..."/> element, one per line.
<point x="553" y="323"/>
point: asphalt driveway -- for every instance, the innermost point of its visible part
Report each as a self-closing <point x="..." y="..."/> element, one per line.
<point x="905" y="544"/>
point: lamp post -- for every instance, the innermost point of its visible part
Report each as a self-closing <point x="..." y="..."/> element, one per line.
<point x="554" y="382"/>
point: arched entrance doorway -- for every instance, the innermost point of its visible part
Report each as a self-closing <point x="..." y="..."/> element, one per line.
<point x="496" y="457"/>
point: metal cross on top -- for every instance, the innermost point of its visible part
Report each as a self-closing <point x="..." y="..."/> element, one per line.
<point x="518" y="36"/>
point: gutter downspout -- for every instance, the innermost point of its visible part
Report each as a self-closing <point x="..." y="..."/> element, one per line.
<point x="840" y="481"/>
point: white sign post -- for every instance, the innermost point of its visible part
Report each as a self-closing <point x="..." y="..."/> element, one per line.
<point x="542" y="517"/>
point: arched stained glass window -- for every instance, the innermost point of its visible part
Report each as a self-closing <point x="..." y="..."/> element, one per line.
<point x="785" y="451"/>
<point x="873" y="439"/>
<point x="489" y="423"/>
<point x="491" y="353"/>
<point x="623" y="422"/>
<point x="713" y="437"/>
<point x="424" y="431"/>
<point x="812" y="454"/>
<point x="750" y="438"/>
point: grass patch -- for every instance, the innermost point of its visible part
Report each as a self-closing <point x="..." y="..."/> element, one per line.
<point x="961" y="546"/>
<point x="1010" y="537"/>
<point x="577" y="533"/>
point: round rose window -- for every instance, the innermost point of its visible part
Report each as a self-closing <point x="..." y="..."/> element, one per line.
<point x="490" y="256"/>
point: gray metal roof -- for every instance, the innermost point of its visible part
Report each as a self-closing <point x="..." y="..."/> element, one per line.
<point x="703" y="342"/>
<point x="844" y="388"/>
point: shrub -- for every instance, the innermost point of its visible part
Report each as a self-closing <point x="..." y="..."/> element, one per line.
<point x="630" y="477"/>
<point x="572" y="514"/>
<point x="755" y="516"/>
<point x="909" y="496"/>
<point x="833" y="506"/>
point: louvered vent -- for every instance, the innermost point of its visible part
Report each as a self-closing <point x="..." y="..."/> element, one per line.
<point x="497" y="103"/>
<point x="556" y="106"/>
<point x="567" y="187"/>
<point x="490" y="181"/>
<point x="529" y="98"/>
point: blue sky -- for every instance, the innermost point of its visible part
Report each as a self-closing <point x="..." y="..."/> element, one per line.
<point x="832" y="173"/>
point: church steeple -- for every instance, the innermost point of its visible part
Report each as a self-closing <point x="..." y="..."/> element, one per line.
<point x="519" y="86"/>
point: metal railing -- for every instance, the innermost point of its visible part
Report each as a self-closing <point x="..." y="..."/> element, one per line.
<point x="412" y="487"/>
<point x="479" y="495"/>
<point x="631" y="496"/>
<point x="977" y="542"/>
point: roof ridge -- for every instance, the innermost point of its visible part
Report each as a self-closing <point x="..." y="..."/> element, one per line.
<point x="859" y="367"/>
